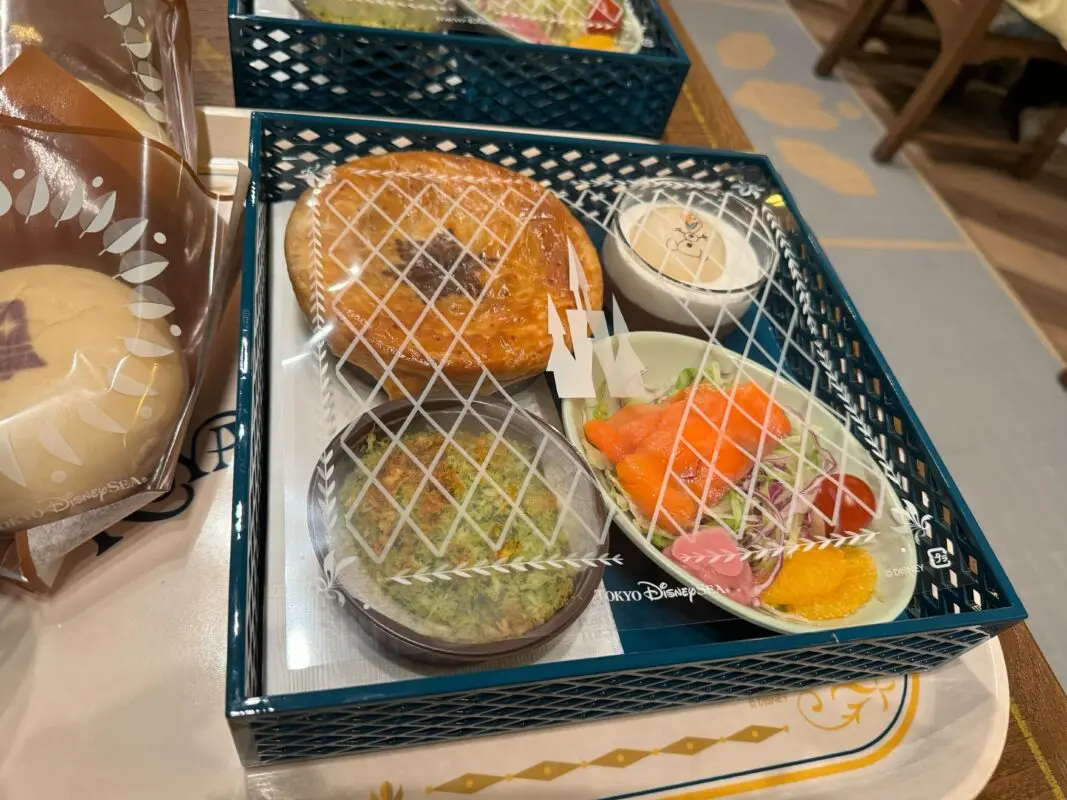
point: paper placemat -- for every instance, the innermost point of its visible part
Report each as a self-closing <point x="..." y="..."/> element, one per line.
<point x="275" y="8"/>
<point x="313" y="641"/>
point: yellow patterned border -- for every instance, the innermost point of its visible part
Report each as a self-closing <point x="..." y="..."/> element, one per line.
<point x="473" y="782"/>
<point x="815" y="710"/>
<point x="387" y="792"/>
<point x="823" y="770"/>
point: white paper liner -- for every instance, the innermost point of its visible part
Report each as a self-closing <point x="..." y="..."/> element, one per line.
<point x="313" y="642"/>
<point x="275" y="8"/>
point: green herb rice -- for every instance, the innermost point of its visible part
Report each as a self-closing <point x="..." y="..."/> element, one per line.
<point x="481" y="608"/>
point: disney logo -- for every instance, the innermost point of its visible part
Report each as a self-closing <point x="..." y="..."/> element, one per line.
<point x="210" y="450"/>
<point x="659" y="591"/>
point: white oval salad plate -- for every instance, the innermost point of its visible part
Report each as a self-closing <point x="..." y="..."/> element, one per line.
<point x="650" y="366"/>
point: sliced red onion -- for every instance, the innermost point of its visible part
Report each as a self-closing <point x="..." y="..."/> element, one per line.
<point x="774" y="492"/>
<point x="815" y="526"/>
<point x="777" y="462"/>
<point x="761" y="587"/>
<point x="775" y="568"/>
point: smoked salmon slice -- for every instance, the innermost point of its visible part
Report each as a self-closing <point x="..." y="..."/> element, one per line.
<point x="635" y="422"/>
<point x="753" y="416"/>
<point x="622" y="432"/>
<point x="711" y="402"/>
<point x="642" y="476"/>
<point x="709" y="438"/>
<point x="606" y="439"/>
<point x="731" y="465"/>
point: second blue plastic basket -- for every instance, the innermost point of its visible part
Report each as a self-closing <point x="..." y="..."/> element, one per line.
<point x="304" y="65"/>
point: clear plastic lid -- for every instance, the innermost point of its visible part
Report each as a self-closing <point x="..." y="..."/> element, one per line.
<point x="600" y="25"/>
<point x="509" y="424"/>
<point x="108" y="301"/>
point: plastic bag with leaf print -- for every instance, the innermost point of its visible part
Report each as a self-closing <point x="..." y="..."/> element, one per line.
<point x="135" y="55"/>
<point x="115" y="266"/>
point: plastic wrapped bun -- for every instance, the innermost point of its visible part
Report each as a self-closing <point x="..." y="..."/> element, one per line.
<point x="135" y="55"/>
<point x="116" y="267"/>
<point x="91" y="395"/>
<point x="132" y="113"/>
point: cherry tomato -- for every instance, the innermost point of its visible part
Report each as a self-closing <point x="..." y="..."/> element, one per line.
<point x="857" y="502"/>
<point x="605" y="17"/>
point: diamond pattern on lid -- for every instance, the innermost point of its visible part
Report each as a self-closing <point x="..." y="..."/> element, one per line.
<point x="401" y="515"/>
<point x="352" y="730"/>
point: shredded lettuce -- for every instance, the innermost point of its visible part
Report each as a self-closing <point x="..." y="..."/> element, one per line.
<point x="784" y="464"/>
<point x="661" y="540"/>
<point x="685" y="378"/>
<point x="714" y="373"/>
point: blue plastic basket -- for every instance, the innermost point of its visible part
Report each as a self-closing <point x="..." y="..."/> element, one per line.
<point x="952" y="610"/>
<point x="305" y="65"/>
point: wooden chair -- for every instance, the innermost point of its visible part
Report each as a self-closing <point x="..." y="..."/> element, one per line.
<point x="963" y="26"/>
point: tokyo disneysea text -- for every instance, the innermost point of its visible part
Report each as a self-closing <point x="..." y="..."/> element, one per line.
<point x="658" y="591"/>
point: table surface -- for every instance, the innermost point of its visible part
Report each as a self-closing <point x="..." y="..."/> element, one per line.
<point x="1034" y="764"/>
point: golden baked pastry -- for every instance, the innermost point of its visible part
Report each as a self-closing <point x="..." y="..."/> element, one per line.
<point x="484" y="245"/>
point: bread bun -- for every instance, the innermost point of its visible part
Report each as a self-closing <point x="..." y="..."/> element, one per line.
<point x="134" y="114"/>
<point x="89" y="393"/>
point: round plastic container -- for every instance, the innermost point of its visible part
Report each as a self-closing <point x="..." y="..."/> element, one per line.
<point x="712" y="252"/>
<point x="340" y="523"/>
